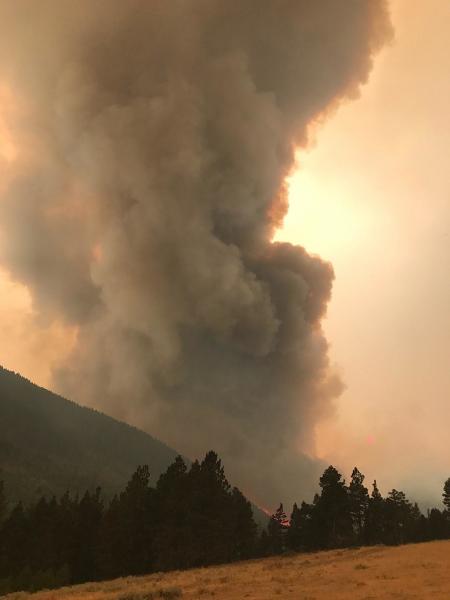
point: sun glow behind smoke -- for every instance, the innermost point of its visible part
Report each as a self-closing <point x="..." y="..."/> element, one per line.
<point x="323" y="216"/>
<point x="372" y="198"/>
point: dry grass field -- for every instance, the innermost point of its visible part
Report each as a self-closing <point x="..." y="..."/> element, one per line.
<point x="415" y="571"/>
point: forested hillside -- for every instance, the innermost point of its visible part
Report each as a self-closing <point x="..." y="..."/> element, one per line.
<point x="193" y="518"/>
<point x="49" y="445"/>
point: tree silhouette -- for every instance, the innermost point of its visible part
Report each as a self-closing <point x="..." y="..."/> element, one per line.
<point x="277" y="530"/>
<point x="359" y="502"/>
<point x="302" y="533"/>
<point x="171" y="508"/>
<point x="436" y="525"/>
<point x="41" y="548"/>
<point x="446" y="501"/>
<point x="294" y="534"/>
<point x="192" y="518"/>
<point x="446" y="495"/>
<point x="398" y="515"/>
<point x="332" y="517"/>
<point x="89" y="515"/>
<point x="207" y="502"/>
<point x="136" y="510"/>
<point x="14" y="543"/>
<point x="244" y="527"/>
<point x="110" y="548"/>
<point x="375" y="516"/>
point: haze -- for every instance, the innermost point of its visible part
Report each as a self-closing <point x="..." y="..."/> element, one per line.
<point x="372" y="196"/>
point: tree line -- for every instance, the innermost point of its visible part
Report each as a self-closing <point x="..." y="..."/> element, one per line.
<point x="346" y="515"/>
<point x="192" y="518"/>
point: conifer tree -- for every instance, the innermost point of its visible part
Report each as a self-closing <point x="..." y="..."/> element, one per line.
<point x="359" y="502"/>
<point x="137" y="519"/>
<point x="446" y="501"/>
<point x="86" y="537"/>
<point x="243" y="526"/>
<point x="446" y="495"/>
<point x="375" y="518"/>
<point x="41" y="544"/>
<point x="414" y="532"/>
<point x="301" y="535"/>
<point x="66" y="524"/>
<point x="308" y="525"/>
<point x="193" y="518"/>
<point x="111" y="561"/>
<point x="277" y="531"/>
<point x="294" y="534"/>
<point x="436" y="525"/>
<point x="398" y="511"/>
<point x="332" y="517"/>
<point x="209" y="512"/>
<point x="172" y="516"/>
<point x="14" y="543"/>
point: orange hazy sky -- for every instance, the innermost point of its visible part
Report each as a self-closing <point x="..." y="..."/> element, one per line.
<point x="372" y="196"/>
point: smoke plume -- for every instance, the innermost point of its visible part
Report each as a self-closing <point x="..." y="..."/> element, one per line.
<point x="154" y="139"/>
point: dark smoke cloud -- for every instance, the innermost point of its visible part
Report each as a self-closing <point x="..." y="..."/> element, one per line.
<point x="156" y="137"/>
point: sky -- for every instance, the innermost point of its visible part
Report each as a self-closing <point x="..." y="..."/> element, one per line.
<point x="371" y="195"/>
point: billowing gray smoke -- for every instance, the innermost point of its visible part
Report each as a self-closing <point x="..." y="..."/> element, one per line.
<point x="155" y="139"/>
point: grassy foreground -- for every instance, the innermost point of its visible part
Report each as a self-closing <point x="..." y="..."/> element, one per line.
<point x="415" y="571"/>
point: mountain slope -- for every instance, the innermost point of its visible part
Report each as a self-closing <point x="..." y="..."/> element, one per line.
<point x="49" y="444"/>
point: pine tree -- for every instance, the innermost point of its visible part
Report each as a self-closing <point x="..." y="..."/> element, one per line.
<point x="446" y="495"/>
<point x="277" y="531"/>
<point x="138" y="504"/>
<point x="87" y="529"/>
<point x="136" y="515"/>
<point x="414" y="531"/>
<point x="359" y="502"/>
<point x="294" y="534"/>
<point x="41" y="545"/>
<point x="209" y="507"/>
<point x="111" y="559"/>
<point x="332" y="518"/>
<point x="301" y="535"/>
<point x="66" y="523"/>
<point x="308" y="525"/>
<point x="14" y="543"/>
<point x="213" y="474"/>
<point x="375" y="518"/>
<point x="446" y="501"/>
<point x="398" y="512"/>
<point x="436" y="525"/>
<point x="216" y="510"/>
<point x="190" y="519"/>
<point x="243" y="526"/>
<point x="171" y="517"/>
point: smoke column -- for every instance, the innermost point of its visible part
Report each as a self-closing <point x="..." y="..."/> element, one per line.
<point x="154" y="141"/>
